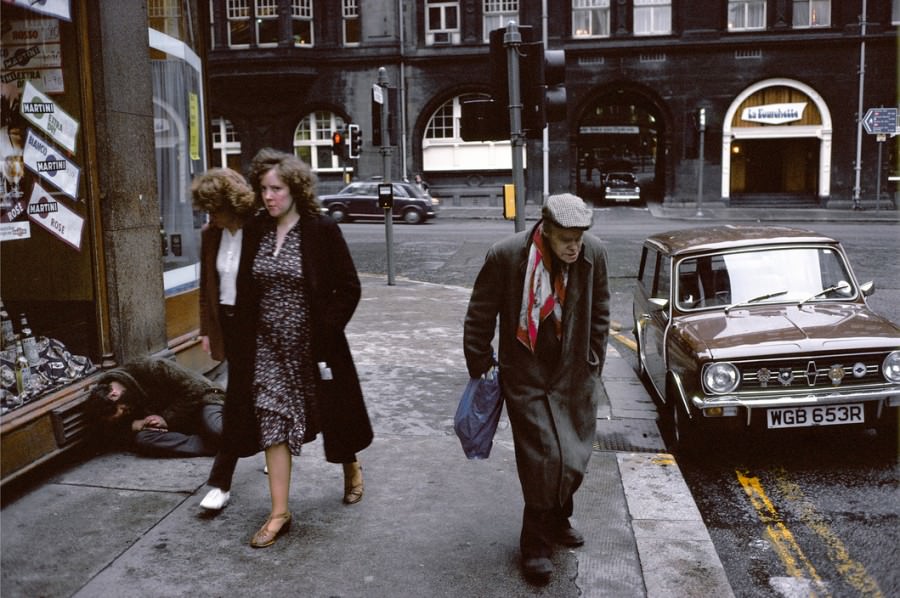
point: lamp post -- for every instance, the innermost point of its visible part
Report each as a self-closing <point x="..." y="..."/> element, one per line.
<point x="701" y="121"/>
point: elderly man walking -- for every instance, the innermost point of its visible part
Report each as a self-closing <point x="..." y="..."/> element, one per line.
<point x="548" y="287"/>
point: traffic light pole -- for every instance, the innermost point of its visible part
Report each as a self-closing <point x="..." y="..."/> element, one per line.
<point x="386" y="171"/>
<point x="511" y="41"/>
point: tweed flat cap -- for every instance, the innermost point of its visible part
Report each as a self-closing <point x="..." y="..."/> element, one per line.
<point x="568" y="211"/>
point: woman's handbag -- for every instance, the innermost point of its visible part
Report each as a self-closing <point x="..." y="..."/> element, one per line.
<point x="478" y="414"/>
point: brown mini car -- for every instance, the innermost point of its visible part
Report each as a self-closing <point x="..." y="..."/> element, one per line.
<point x="761" y="328"/>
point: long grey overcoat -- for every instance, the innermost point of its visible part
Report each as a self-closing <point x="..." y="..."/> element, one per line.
<point x="334" y="290"/>
<point x="553" y="418"/>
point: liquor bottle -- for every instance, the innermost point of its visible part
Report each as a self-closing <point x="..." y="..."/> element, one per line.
<point x="23" y="370"/>
<point x="29" y="343"/>
<point x="6" y="327"/>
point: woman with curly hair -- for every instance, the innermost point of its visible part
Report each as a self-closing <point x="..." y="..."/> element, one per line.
<point x="294" y="375"/>
<point x="230" y="202"/>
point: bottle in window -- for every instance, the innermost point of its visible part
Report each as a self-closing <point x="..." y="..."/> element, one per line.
<point x="23" y="369"/>
<point x="29" y="343"/>
<point x="6" y="328"/>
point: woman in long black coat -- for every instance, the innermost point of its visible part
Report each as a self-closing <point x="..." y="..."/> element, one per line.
<point x="297" y="289"/>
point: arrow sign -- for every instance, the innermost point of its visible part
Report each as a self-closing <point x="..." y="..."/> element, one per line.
<point x="880" y="121"/>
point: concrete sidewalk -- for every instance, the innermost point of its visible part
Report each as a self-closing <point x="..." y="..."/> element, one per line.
<point x="431" y="523"/>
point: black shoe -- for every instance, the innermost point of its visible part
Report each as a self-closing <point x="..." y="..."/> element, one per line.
<point x="567" y="535"/>
<point x="537" y="569"/>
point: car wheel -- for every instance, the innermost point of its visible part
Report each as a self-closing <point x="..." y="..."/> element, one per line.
<point x="412" y="216"/>
<point x="339" y="214"/>
<point x="684" y="431"/>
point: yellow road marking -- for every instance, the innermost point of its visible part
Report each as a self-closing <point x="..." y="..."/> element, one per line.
<point x="852" y="571"/>
<point x="615" y="331"/>
<point x="782" y="539"/>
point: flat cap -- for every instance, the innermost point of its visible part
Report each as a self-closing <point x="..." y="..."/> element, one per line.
<point x="568" y="211"/>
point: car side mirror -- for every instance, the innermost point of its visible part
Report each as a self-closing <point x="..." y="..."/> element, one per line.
<point x="658" y="303"/>
<point x="867" y="288"/>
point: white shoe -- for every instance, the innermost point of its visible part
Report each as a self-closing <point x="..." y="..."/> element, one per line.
<point x="215" y="500"/>
<point x="266" y="470"/>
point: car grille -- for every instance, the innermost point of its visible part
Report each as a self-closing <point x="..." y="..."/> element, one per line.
<point x="812" y="372"/>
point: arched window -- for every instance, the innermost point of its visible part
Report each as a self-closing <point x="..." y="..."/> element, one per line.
<point x="443" y="149"/>
<point x="312" y="140"/>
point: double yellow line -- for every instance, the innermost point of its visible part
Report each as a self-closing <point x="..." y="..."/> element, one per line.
<point x="795" y="560"/>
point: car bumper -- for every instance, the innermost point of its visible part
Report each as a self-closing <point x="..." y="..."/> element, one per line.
<point x="831" y="398"/>
<point x="624" y="197"/>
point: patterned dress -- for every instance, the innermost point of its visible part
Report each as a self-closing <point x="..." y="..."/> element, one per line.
<point x="284" y="379"/>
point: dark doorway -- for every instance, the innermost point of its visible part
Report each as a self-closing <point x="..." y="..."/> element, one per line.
<point x="775" y="166"/>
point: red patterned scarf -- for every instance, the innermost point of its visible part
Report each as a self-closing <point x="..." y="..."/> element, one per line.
<point x="542" y="294"/>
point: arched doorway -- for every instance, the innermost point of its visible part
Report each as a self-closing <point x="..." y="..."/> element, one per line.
<point x="621" y="129"/>
<point x="776" y="145"/>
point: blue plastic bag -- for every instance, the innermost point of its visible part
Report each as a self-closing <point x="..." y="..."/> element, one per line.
<point x="478" y="414"/>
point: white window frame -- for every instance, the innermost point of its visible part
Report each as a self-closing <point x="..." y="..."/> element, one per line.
<point x="809" y="14"/>
<point x="440" y="33"/>
<point x="236" y="11"/>
<point x="657" y="14"/>
<point x="443" y="149"/>
<point x="497" y="14"/>
<point x="350" y="15"/>
<point x="302" y="10"/>
<point x="895" y="12"/>
<point x="265" y="11"/>
<point x="588" y="15"/>
<point x="314" y="131"/>
<point x="741" y="11"/>
<point x="225" y="140"/>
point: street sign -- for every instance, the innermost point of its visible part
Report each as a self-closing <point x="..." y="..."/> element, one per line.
<point x="880" y="120"/>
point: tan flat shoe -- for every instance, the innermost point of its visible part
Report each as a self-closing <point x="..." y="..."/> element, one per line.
<point x="353" y="483"/>
<point x="265" y="537"/>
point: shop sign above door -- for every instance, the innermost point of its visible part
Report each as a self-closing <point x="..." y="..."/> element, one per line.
<point x="774" y="114"/>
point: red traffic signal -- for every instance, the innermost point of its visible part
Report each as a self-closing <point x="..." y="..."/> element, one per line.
<point x="337" y="143"/>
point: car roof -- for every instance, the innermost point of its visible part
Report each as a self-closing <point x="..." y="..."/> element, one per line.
<point x="729" y="236"/>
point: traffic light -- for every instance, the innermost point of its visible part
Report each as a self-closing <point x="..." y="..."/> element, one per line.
<point x="355" y="146"/>
<point x="337" y="143"/>
<point x="543" y="73"/>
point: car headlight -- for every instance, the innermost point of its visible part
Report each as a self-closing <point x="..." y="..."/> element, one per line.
<point x="720" y="377"/>
<point x="890" y="367"/>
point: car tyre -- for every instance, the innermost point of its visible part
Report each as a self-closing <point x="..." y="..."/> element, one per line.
<point x="339" y="214"/>
<point x="684" y="432"/>
<point x="413" y="216"/>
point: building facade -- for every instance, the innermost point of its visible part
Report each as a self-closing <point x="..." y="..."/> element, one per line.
<point x="779" y="86"/>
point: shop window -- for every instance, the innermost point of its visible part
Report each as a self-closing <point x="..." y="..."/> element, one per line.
<point x="812" y="13"/>
<point x="352" y="30"/>
<point x="165" y="16"/>
<point x="266" y="23"/>
<point x="590" y="18"/>
<point x="441" y="23"/>
<point x="746" y="15"/>
<point x="226" y="144"/>
<point x="180" y="155"/>
<point x="895" y="12"/>
<point x="46" y="207"/>
<point x="302" y="22"/>
<point x="652" y="17"/>
<point x="312" y="140"/>
<point x="497" y="15"/>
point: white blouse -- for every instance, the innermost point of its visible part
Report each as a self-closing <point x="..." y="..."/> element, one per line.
<point x="227" y="265"/>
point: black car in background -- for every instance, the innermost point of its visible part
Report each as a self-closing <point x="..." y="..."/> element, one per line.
<point x="359" y="200"/>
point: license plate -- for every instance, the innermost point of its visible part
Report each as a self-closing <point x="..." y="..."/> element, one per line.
<point x="817" y="415"/>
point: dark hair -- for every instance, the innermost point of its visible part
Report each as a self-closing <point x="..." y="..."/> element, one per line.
<point x="224" y="189"/>
<point x="296" y="173"/>
<point x="110" y="431"/>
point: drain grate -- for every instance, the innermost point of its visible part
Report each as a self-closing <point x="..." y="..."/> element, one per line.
<point x="628" y="435"/>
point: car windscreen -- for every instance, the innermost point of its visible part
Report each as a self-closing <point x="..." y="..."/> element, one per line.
<point x="773" y="275"/>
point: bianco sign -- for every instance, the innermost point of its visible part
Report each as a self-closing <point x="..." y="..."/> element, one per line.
<point x="774" y="114"/>
<point x="47" y="162"/>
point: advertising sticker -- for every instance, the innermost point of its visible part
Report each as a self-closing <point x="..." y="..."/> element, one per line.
<point x="42" y="112"/>
<point x="55" y="216"/>
<point x="47" y="162"/>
